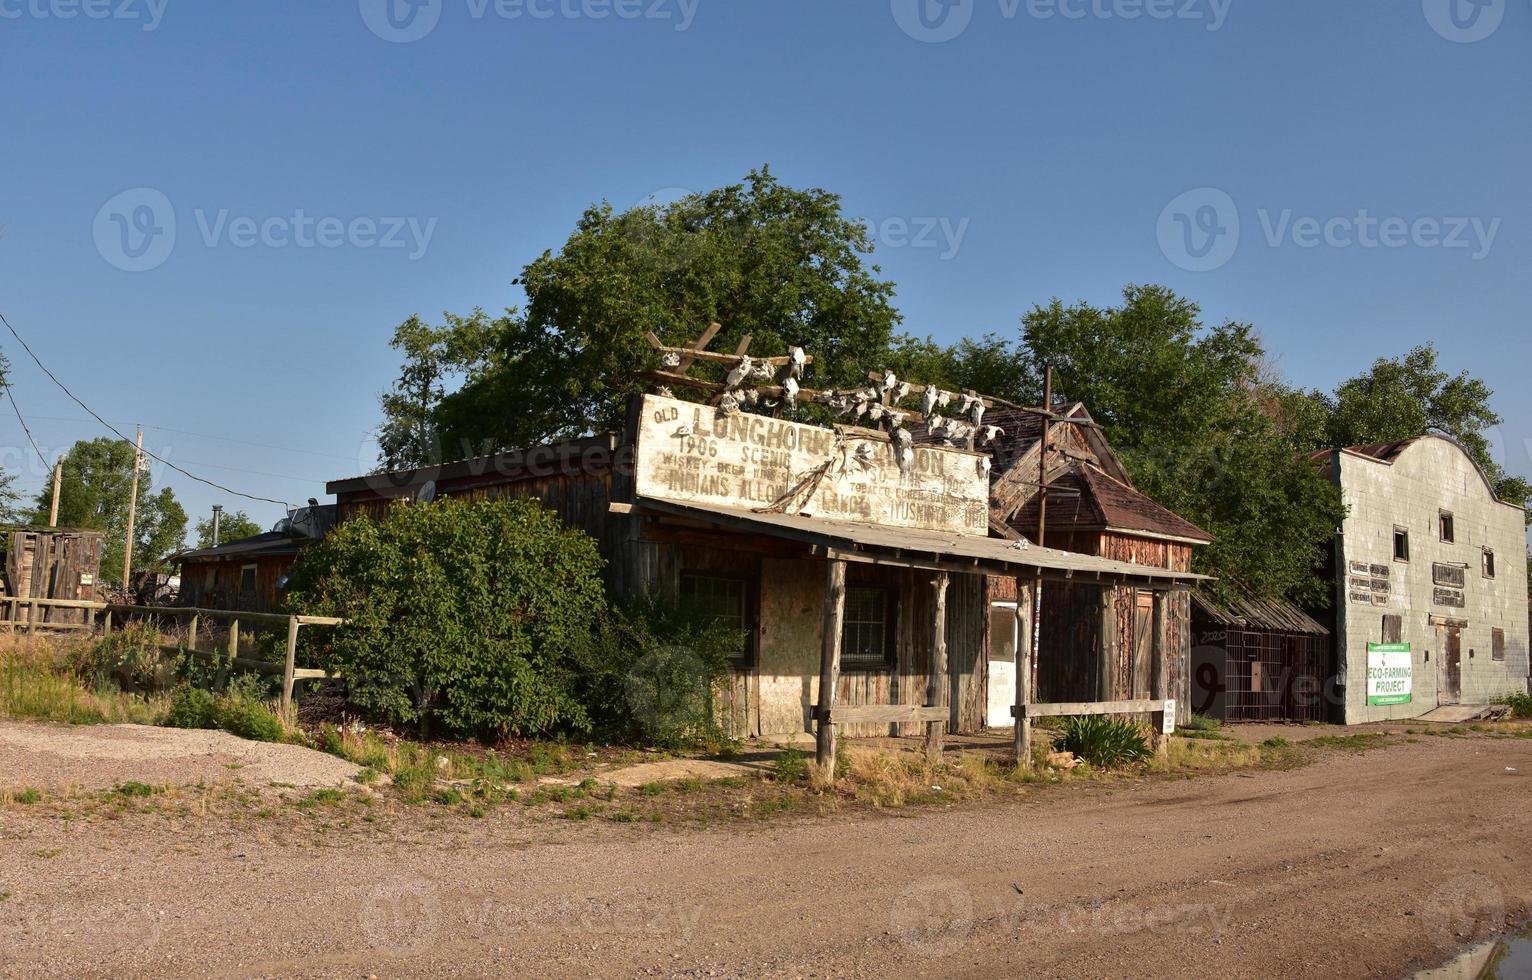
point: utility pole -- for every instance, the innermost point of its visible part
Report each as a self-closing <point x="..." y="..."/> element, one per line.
<point x="1042" y="520"/>
<point x="127" y="554"/>
<point x="217" y="524"/>
<point x="58" y="481"/>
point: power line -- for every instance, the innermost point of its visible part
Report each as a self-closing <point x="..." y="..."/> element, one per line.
<point x="10" y="393"/>
<point x="114" y="430"/>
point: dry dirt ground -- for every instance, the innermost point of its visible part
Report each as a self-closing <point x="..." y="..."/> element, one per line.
<point x="55" y="757"/>
<point x="1362" y="864"/>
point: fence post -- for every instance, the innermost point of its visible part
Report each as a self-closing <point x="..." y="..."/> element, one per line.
<point x="226" y="664"/>
<point x="195" y="626"/>
<point x="1158" y="673"/>
<point x="291" y="665"/>
<point x="106" y="624"/>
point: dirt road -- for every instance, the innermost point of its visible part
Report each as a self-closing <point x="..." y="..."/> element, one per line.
<point x="1363" y="864"/>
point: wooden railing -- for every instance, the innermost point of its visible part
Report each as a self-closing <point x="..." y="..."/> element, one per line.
<point x="109" y="611"/>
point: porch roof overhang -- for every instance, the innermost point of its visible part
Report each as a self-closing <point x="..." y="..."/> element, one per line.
<point x="934" y="550"/>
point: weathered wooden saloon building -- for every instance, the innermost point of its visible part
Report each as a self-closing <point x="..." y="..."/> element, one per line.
<point x="855" y="560"/>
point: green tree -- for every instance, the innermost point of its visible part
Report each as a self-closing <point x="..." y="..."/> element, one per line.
<point x="1188" y="409"/>
<point x="990" y="365"/>
<point x="473" y="616"/>
<point x="783" y="265"/>
<point x="234" y="527"/>
<point x="94" y="493"/>
<point x="1400" y="398"/>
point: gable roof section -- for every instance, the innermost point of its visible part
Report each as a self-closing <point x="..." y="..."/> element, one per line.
<point x="1097" y="502"/>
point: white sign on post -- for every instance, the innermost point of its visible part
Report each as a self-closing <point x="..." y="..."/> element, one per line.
<point x="696" y="454"/>
<point x="1168" y="723"/>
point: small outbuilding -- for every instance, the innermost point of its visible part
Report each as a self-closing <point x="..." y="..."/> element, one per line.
<point x="1258" y="660"/>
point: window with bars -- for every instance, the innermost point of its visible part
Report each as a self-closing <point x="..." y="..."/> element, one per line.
<point x="867" y="636"/>
<point x="247" y="580"/>
<point x="728" y="601"/>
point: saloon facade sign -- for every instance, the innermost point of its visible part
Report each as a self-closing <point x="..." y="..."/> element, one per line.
<point x="695" y="454"/>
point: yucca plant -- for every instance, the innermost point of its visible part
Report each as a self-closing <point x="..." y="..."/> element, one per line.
<point x="1103" y="742"/>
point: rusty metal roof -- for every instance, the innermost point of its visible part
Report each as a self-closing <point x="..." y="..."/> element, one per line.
<point x="957" y="552"/>
<point x="1245" y="611"/>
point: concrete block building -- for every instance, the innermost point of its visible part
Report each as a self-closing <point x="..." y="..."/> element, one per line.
<point x="1431" y="582"/>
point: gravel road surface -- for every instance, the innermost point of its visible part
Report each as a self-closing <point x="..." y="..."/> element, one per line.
<point x="1362" y="864"/>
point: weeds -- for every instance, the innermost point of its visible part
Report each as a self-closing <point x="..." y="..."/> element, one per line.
<point x="1103" y="742"/>
<point x="1520" y="703"/>
<point x="1360" y="742"/>
<point x="792" y="766"/>
<point x="36" y="685"/>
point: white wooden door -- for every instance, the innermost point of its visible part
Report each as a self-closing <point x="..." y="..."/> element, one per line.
<point x="1002" y="664"/>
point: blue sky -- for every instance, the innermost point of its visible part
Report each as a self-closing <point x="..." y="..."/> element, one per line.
<point x="326" y="176"/>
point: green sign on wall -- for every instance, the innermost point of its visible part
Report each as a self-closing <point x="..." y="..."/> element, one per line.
<point x="1390" y="674"/>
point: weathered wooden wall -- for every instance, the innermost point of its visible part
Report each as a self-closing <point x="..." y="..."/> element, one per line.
<point x="1070" y="664"/>
<point x="54" y="564"/>
<point x="216" y="584"/>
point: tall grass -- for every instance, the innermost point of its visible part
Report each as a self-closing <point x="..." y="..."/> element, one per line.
<point x="36" y="685"/>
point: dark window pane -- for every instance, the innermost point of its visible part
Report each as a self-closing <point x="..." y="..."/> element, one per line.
<point x="867" y="634"/>
<point x="725" y="599"/>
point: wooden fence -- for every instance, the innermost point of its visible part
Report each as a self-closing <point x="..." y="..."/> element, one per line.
<point x="107" y="613"/>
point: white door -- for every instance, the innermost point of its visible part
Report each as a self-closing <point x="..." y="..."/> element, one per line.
<point x="1002" y="664"/>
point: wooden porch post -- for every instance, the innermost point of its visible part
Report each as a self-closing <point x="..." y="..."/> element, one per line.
<point x="1158" y="671"/>
<point x="829" y="667"/>
<point x="937" y="683"/>
<point x="1024" y="658"/>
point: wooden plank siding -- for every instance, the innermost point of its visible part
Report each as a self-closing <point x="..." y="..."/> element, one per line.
<point x="1070" y="665"/>
<point x="54" y="564"/>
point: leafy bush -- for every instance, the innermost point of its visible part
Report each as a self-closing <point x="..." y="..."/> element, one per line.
<point x="468" y="615"/>
<point x="241" y="710"/>
<point x="1103" y="742"/>
<point x="649" y="672"/>
<point x="192" y="707"/>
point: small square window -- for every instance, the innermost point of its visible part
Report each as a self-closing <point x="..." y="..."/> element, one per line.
<point x="1489" y="563"/>
<point x="1401" y="544"/>
<point x="1448" y="528"/>
<point x="867" y="637"/>
<point x="1497" y="651"/>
